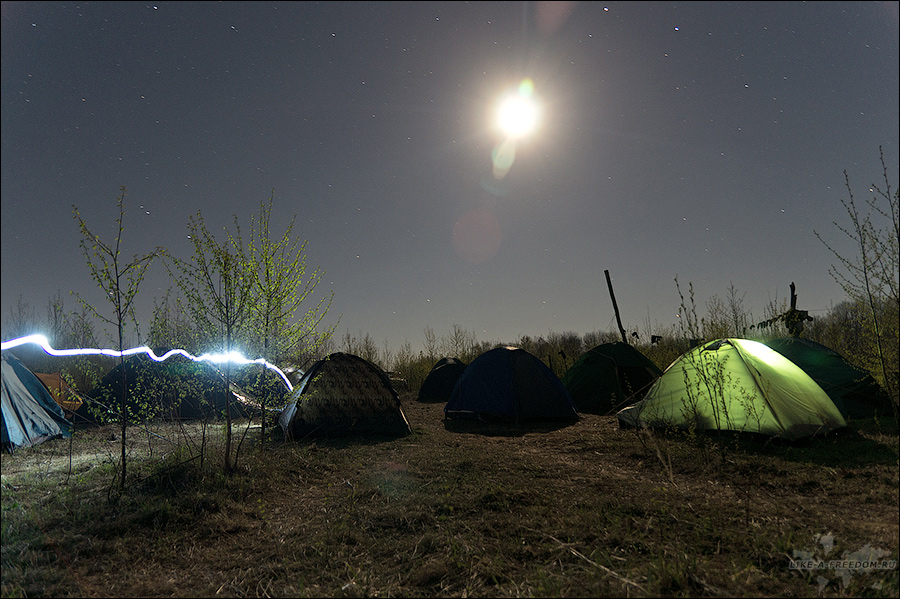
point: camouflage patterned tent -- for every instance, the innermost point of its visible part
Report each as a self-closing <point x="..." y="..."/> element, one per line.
<point x="175" y="389"/>
<point x="343" y="394"/>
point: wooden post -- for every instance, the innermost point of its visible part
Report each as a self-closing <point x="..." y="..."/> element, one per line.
<point x="615" y="308"/>
<point x="795" y="318"/>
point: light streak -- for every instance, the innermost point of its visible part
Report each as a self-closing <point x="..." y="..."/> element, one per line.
<point x="234" y="357"/>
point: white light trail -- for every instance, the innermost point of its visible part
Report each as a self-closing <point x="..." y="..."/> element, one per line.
<point x="233" y="357"/>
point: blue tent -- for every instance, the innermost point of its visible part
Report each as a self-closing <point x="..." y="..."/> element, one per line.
<point x="508" y="384"/>
<point x="438" y="385"/>
<point x="30" y="414"/>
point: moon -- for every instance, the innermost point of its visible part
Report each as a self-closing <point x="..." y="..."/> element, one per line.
<point x="518" y="113"/>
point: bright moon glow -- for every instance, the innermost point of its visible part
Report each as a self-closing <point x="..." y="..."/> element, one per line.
<point x="233" y="357"/>
<point x="518" y="113"/>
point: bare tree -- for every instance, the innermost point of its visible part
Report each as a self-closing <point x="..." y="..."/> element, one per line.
<point x="20" y="321"/>
<point x="725" y="317"/>
<point x="871" y="277"/>
<point x="459" y="342"/>
<point x="431" y="344"/>
<point x="689" y="324"/>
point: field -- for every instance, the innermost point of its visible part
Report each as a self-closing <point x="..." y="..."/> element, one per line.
<point x="585" y="510"/>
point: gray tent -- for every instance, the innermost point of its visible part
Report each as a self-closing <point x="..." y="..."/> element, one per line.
<point x="30" y="414"/>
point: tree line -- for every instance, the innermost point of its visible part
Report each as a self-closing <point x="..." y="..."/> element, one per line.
<point x="259" y="293"/>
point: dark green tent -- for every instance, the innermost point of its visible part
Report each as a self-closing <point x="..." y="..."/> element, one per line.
<point x="438" y="385"/>
<point x="853" y="390"/>
<point x="609" y="377"/>
<point x="177" y="388"/>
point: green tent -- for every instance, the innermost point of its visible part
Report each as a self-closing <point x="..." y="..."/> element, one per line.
<point x="853" y="390"/>
<point x="177" y="389"/>
<point x="609" y="376"/>
<point x="736" y="385"/>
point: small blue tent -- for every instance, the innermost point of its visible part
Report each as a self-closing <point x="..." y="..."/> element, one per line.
<point x="30" y="414"/>
<point x="438" y="385"/>
<point x="508" y="384"/>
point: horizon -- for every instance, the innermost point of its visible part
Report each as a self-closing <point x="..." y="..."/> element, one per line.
<point x="703" y="142"/>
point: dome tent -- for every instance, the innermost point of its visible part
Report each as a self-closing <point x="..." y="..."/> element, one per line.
<point x="853" y="390"/>
<point x="438" y="385"/>
<point x="63" y="394"/>
<point x="609" y="377"/>
<point x="508" y="384"/>
<point x="343" y="394"/>
<point x="737" y="385"/>
<point x="177" y="388"/>
<point x="30" y="415"/>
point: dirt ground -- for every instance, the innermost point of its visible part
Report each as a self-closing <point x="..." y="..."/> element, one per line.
<point x="581" y="510"/>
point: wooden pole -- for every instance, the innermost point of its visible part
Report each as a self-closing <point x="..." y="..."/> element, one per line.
<point x="615" y="308"/>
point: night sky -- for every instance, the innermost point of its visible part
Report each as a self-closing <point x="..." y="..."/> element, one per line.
<point x="703" y="141"/>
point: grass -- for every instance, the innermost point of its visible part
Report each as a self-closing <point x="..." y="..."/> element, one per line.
<point x="584" y="510"/>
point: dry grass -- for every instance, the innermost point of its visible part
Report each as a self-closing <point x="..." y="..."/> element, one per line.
<point x="583" y="510"/>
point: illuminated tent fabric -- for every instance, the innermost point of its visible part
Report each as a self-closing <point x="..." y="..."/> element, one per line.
<point x="508" y="384"/>
<point x="343" y="394"/>
<point x="30" y="415"/>
<point x="177" y="388"/>
<point x="736" y="385"/>
<point x="62" y="393"/>
<point x="853" y="390"/>
<point x="438" y="385"/>
<point x="608" y="377"/>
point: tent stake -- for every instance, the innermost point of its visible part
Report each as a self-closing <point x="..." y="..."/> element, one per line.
<point x="615" y="307"/>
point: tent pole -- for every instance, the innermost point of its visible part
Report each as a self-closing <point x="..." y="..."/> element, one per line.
<point x="615" y="307"/>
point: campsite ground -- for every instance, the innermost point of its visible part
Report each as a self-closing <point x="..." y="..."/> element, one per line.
<point x="582" y="510"/>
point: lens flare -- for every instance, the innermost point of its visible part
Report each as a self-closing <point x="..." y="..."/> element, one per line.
<point x="503" y="156"/>
<point x="233" y="357"/>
